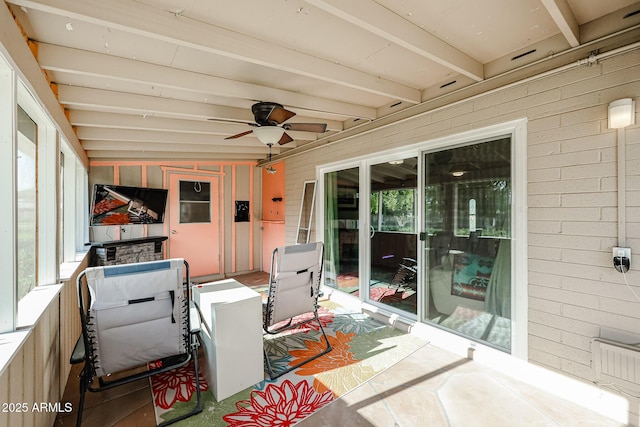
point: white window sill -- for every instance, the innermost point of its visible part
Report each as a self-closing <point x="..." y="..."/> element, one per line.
<point x="34" y="304"/>
<point x="9" y="345"/>
<point x="69" y="268"/>
<point x="30" y="309"/>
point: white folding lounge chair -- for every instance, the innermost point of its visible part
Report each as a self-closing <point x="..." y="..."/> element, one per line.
<point x="294" y="285"/>
<point x="131" y="315"/>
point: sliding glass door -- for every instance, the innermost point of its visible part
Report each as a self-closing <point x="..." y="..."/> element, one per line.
<point x="393" y="262"/>
<point x="428" y="234"/>
<point x="467" y="198"/>
<point x="341" y="223"/>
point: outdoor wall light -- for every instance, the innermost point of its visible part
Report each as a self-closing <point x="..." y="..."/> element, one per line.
<point x="622" y="113"/>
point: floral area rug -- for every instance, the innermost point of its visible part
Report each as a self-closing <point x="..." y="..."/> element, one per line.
<point x="362" y="348"/>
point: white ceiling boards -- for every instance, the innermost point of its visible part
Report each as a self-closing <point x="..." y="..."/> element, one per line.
<point x="174" y="78"/>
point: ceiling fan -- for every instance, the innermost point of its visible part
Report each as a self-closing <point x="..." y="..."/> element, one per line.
<point x="269" y="127"/>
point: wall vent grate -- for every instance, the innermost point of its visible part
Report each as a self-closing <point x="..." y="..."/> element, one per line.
<point x="616" y="363"/>
<point x="629" y="15"/>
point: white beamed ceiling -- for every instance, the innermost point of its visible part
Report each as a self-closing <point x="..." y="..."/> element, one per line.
<point x="171" y="79"/>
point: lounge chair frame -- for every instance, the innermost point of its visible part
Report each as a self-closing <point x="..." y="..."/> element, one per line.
<point x="294" y="287"/>
<point x="92" y="376"/>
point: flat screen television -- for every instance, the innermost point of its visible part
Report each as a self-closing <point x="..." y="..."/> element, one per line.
<point x="122" y="205"/>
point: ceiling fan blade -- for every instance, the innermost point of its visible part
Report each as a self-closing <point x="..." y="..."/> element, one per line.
<point x="285" y="139"/>
<point x="279" y="115"/>
<point x="239" y="135"/>
<point x="306" y="127"/>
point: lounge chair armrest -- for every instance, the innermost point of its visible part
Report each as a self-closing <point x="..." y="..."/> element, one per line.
<point x="194" y="316"/>
<point x="77" y="356"/>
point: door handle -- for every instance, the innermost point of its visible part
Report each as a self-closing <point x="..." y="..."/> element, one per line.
<point x="173" y="231"/>
<point x="373" y="232"/>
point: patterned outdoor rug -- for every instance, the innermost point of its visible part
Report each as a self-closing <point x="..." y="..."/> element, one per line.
<point x="362" y="348"/>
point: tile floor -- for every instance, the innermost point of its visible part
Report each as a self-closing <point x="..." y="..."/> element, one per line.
<point x="431" y="387"/>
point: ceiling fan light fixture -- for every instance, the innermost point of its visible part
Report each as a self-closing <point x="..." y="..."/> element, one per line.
<point x="268" y="135"/>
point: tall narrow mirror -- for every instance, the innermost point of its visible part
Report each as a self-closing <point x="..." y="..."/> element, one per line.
<point x="306" y="211"/>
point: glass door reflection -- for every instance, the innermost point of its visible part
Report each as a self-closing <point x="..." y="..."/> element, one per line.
<point x="393" y="237"/>
<point x="341" y="202"/>
<point x="467" y="212"/>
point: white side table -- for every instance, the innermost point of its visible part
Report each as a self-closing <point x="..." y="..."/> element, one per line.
<point x="232" y="335"/>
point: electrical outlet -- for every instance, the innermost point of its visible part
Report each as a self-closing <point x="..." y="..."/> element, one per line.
<point x="621" y="259"/>
<point x="622" y="252"/>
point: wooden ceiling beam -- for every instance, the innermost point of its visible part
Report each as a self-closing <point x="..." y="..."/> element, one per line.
<point x="565" y="20"/>
<point x="104" y="134"/>
<point x="138" y="18"/>
<point x="377" y="19"/>
<point x="170" y="156"/>
<point x="125" y="118"/>
<point x="176" y="147"/>
<point x="76" y="61"/>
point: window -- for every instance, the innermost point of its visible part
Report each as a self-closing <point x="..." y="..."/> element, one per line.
<point x="44" y="206"/>
<point x="468" y="215"/>
<point x="341" y="227"/>
<point x="27" y="204"/>
<point x="61" y="203"/>
<point x="393" y="241"/>
<point x="73" y="200"/>
<point x="393" y="210"/>
<point x="484" y="205"/>
<point x="195" y="202"/>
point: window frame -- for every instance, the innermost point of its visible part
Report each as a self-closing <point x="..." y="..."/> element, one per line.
<point x="517" y="130"/>
<point x="47" y="173"/>
<point x="8" y="186"/>
<point x="75" y="202"/>
<point x="51" y="205"/>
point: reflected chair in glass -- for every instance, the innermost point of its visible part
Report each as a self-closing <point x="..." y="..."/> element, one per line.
<point x="134" y="315"/>
<point x="294" y="286"/>
<point x="406" y="275"/>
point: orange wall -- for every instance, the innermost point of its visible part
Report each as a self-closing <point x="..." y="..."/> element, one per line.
<point x="273" y="232"/>
<point x="273" y="187"/>
<point x="240" y="241"/>
<point x="238" y="246"/>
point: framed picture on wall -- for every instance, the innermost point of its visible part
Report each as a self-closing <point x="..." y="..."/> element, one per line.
<point x="242" y="211"/>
